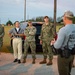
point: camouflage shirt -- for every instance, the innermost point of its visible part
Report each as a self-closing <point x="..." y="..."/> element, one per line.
<point x="30" y="33"/>
<point x="47" y="32"/>
<point x="1" y="35"/>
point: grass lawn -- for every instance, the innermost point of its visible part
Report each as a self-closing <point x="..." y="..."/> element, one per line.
<point x="6" y="40"/>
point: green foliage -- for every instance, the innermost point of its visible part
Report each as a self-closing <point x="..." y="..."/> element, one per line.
<point x="9" y="23"/>
<point x="40" y="19"/>
<point x="59" y="19"/>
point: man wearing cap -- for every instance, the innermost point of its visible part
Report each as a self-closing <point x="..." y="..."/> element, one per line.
<point x="16" y="34"/>
<point x="30" y="32"/>
<point x="47" y="34"/>
<point x="65" y="44"/>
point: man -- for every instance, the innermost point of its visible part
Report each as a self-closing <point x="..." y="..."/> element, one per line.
<point x="1" y="35"/>
<point x="17" y="34"/>
<point x="65" y="44"/>
<point x="47" y="34"/>
<point x="30" y="32"/>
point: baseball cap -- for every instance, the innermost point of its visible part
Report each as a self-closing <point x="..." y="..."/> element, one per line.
<point x="69" y="14"/>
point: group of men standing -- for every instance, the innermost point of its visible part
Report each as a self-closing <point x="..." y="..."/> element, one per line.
<point x="66" y="37"/>
<point x="47" y="34"/>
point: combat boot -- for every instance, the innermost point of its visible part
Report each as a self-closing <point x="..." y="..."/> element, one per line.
<point x="73" y="65"/>
<point x="24" y="61"/>
<point x="33" y="62"/>
<point x="43" y="62"/>
<point x="50" y="62"/>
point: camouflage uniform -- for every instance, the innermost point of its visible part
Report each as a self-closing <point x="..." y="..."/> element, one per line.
<point x="1" y="35"/>
<point x="30" y="41"/>
<point x="47" y="34"/>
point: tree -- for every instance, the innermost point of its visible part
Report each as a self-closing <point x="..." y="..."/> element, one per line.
<point x="9" y="23"/>
<point x="39" y="19"/>
<point x="59" y="19"/>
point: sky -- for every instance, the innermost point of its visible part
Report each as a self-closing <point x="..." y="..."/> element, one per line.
<point x="14" y="9"/>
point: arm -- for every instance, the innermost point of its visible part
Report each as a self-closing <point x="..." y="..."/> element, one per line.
<point x="53" y="31"/>
<point x="33" y="32"/>
<point x="22" y="34"/>
<point x="60" y="39"/>
<point x="26" y="33"/>
<point x="41" y="35"/>
<point x="10" y="33"/>
<point x="2" y="34"/>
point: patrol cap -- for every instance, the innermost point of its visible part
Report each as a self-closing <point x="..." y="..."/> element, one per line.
<point x="29" y="21"/>
<point x="68" y="14"/>
<point x="46" y="17"/>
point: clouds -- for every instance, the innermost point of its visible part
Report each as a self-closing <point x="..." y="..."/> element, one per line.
<point x="40" y="3"/>
<point x="14" y="9"/>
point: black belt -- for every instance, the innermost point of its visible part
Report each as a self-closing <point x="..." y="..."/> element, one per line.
<point x="17" y="37"/>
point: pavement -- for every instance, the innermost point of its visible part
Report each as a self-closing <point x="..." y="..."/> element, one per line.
<point x="7" y="67"/>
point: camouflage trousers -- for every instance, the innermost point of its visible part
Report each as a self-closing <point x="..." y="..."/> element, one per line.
<point x="65" y="65"/>
<point x="1" y="43"/>
<point x="32" y="46"/>
<point x="47" y="50"/>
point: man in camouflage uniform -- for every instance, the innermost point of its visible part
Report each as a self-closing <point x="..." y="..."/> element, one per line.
<point x="30" y="32"/>
<point x="47" y="34"/>
<point x="1" y="35"/>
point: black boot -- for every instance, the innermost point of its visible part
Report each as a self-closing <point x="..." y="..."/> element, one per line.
<point x="19" y="61"/>
<point x="15" y="60"/>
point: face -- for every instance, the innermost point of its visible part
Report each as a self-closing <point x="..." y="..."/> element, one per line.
<point x="64" y="19"/>
<point x="46" y="20"/>
<point x="17" y="24"/>
<point x="30" y="23"/>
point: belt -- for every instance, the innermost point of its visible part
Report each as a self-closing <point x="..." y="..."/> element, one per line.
<point x="17" y="37"/>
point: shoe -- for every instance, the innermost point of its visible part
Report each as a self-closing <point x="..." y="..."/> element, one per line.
<point x="19" y="61"/>
<point x="15" y="60"/>
<point x="24" y="61"/>
<point x="49" y="63"/>
<point x="33" y="62"/>
<point x="43" y="62"/>
<point x="73" y="65"/>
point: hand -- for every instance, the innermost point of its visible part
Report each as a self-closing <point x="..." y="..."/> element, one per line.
<point x="12" y="38"/>
<point x="40" y="42"/>
<point x="17" y="34"/>
<point x="52" y="42"/>
<point x="30" y="32"/>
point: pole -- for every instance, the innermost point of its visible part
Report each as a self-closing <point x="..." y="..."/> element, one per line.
<point x="0" y="20"/>
<point x="55" y="9"/>
<point x="25" y="10"/>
